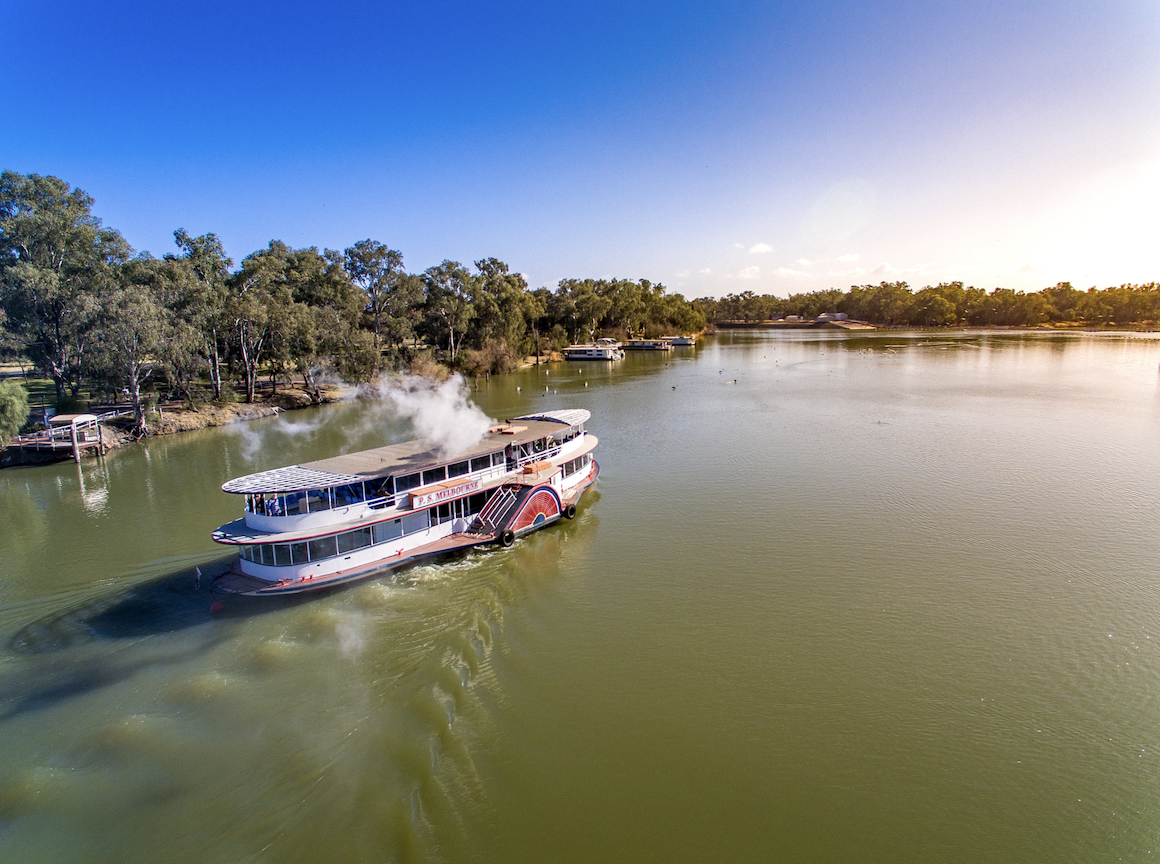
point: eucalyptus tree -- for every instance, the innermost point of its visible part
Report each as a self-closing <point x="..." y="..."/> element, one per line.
<point x="403" y="309"/>
<point x="501" y="303"/>
<point x="448" y="307"/>
<point x="132" y="329"/>
<point x="589" y="305"/>
<point x="205" y="307"/>
<point x="375" y="268"/>
<point x="257" y="290"/>
<point x="55" y="259"/>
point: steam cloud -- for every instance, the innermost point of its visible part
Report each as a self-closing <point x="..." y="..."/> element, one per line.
<point x="442" y="412"/>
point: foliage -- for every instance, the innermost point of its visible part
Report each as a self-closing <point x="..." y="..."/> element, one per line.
<point x="948" y="304"/>
<point x="13" y="409"/>
<point x="55" y="259"/>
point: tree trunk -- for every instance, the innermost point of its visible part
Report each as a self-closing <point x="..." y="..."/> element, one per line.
<point x="139" y="425"/>
<point x="215" y="373"/>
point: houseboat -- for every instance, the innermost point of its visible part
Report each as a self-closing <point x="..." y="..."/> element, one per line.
<point x="647" y="345"/>
<point x="682" y="341"/>
<point x="333" y="521"/>
<point x="604" y="349"/>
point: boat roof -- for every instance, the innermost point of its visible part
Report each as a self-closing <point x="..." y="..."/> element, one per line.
<point x="404" y="458"/>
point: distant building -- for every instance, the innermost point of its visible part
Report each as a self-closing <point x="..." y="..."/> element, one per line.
<point x="832" y="316"/>
<point x="792" y="318"/>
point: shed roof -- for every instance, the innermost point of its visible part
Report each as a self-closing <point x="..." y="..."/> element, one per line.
<point x="69" y="419"/>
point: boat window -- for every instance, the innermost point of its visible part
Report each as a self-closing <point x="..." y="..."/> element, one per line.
<point x="344" y="496"/>
<point x="385" y="531"/>
<point x="413" y="522"/>
<point x="351" y="540"/>
<point x="408" y="481"/>
<point x="323" y="547"/>
<point x="435" y="475"/>
<point x="475" y="503"/>
<point x="498" y="458"/>
<point x="318" y="499"/>
<point x="480" y="463"/>
<point x="380" y="487"/>
<point x="245" y="554"/>
<point x="458" y="469"/>
<point x="444" y="513"/>
<point x="274" y="505"/>
<point x="267" y="554"/>
<point x="298" y="553"/>
<point x="281" y="555"/>
<point x="295" y="503"/>
<point x="249" y="503"/>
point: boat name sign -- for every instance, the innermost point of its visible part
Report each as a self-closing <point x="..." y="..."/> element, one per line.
<point x="437" y="495"/>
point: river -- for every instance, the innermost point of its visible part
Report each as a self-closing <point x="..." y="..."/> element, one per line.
<point x="836" y="597"/>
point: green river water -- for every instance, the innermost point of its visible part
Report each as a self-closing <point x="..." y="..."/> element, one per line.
<point x="835" y="598"/>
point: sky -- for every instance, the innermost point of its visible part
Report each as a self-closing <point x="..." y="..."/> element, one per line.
<point x="714" y="147"/>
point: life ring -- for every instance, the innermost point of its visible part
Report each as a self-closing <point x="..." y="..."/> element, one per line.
<point x="570" y="511"/>
<point x="507" y="538"/>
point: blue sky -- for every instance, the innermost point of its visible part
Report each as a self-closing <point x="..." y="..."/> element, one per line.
<point x="715" y="147"/>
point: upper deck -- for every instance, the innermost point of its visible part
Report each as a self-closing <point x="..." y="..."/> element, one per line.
<point x="409" y="457"/>
<point x="399" y="477"/>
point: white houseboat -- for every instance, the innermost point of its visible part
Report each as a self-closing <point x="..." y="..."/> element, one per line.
<point x="335" y="520"/>
<point x="647" y="345"/>
<point x="602" y="349"/>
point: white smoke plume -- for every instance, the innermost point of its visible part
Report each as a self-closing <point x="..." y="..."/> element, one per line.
<point x="255" y="441"/>
<point x="442" y="412"/>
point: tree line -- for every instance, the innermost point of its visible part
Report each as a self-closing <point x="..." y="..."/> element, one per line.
<point x="948" y="304"/>
<point x="80" y="305"/>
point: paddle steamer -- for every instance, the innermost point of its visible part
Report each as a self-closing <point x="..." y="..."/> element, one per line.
<point x="335" y="520"/>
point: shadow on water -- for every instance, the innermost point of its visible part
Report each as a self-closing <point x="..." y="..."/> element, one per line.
<point x="45" y="685"/>
<point x="108" y="639"/>
<point x="162" y="605"/>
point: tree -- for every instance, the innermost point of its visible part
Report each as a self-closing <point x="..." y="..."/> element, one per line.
<point x="258" y="289"/>
<point x="13" y="409"/>
<point x="204" y="308"/>
<point x="449" y="308"/>
<point x="374" y="268"/>
<point x="132" y="330"/>
<point x="402" y="308"/>
<point x="500" y="299"/>
<point x="55" y="259"/>
<point x="588" y="304"/>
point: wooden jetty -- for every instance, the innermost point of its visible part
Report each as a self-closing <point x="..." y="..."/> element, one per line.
<point x="68" y="434"/>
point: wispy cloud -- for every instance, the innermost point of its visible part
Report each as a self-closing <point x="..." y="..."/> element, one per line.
<point x="760" y="249"/>
<point x="749" y="273"/>
<point x="802" y="262"/>
<point x="1029" y="268"/>
<point x="706" y="271"/>
<point x="738" y="245"/>
<point x="682" y="274"/>
<point x="853" y="256"/>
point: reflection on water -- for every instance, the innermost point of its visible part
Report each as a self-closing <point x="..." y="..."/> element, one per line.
<point x="839" y="597"/>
